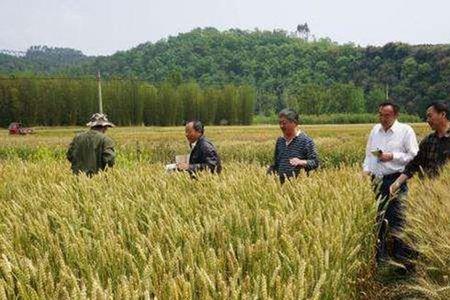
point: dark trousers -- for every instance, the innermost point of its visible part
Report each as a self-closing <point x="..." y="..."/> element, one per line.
<point x="391" y="220"/>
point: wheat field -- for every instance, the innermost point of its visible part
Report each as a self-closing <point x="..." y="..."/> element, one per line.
<point x="135" y="232"/>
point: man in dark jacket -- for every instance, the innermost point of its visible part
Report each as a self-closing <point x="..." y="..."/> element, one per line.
<point x="92" y="151"/>
<point x="434" y="149"/>
<point x="203" y="154"/>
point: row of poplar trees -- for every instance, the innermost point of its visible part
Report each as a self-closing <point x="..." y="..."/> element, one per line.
<point x="64" y="101"/>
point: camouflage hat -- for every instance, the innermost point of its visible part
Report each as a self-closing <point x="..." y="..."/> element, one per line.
<point x="98" y="119"/>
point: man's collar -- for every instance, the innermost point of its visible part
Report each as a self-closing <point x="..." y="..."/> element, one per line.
<point x="296" y="135"/>
<point x="196" y="142"/>
<point x="447" y="133"/>
<point x="393" y="128"/>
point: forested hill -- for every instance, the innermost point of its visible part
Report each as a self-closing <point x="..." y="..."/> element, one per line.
<point x="313" y="76"/>
<point x="42" y="60"/>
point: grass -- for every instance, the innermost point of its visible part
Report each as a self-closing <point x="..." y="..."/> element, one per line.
<point x="429" y="229"/>
<point x="337" y="144"/>
<point x="237" y="235"/>
<point x="135" y="232"/>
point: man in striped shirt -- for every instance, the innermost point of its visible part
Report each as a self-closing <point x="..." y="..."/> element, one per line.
<point x="294" y="150"/>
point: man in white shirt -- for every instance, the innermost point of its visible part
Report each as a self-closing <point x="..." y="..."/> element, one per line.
<point x="391" y="145"/>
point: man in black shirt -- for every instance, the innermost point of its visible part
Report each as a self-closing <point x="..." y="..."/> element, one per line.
<point x="203" y="154"/>
<point x="434" y="150"/>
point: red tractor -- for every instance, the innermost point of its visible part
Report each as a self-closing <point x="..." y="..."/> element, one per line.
<point x="16" y="128"/>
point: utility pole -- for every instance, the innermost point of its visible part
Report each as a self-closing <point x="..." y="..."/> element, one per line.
<point x="100" y="103"/>
<point x="387" y="91"/>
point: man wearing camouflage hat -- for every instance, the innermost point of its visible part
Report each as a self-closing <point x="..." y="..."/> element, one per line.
<point x="92" y="151"/>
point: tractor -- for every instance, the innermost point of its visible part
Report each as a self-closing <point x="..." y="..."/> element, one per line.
<point x="16" y="128"/>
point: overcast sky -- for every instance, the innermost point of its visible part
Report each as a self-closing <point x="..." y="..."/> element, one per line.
<point x="106" y="26"/>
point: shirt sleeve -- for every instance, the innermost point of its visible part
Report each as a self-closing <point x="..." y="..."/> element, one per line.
<point x="71" y="150"/>
<point x="211" y="159"/>
<point x="274" y="166"/>
<point x="366" y="163"/>
<point x="416" y="163"/>
<point x="109" y="153"/>
<point x="410" y="146"/>
<point x="312" y="158"/>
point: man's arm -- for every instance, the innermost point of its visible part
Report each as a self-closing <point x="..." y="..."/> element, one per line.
<point x="397" y="183"/>
<point x="108" y="154"/>
<point x="366" y="163"/>
<point x="411" y="148"/>
<point x="416" y="163"/>
<point x="274" y="167"/>
<point x="70" y="151"/>
<point x="312" y="161"/>
<point x="411" y="168"/>
<point x="312" y="158"/>
<point x="210" y="159"/>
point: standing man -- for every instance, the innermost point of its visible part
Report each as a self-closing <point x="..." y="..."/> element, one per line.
<point x="391" y="145"/>
<point x="203" y="154"/>
<point x="434" y="150"/>
<point x="92" y="151"/>
<point x="294" y="150"/>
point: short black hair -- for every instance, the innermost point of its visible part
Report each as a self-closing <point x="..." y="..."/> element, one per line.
<point x="197" y="125"/>
<point x="390" y="103"/>
<point x="439" y="106"/>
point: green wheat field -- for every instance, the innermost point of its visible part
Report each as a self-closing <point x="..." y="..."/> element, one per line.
<point x="136" y="232"/>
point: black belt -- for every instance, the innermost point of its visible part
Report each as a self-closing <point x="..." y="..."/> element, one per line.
<point x="389" y="176"/>
<point x="392" y="176"/>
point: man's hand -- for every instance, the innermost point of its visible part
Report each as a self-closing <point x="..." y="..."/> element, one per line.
<point x="393" y="188"/>
<point x="396" y="185"/>
<point x="386" y="156"/>
<point x="365" y="175"/>
<point x="182" y="166"/>
<point x="297" y="162"/>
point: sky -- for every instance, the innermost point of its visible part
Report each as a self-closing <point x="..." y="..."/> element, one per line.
<point x="102" y="27"/>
